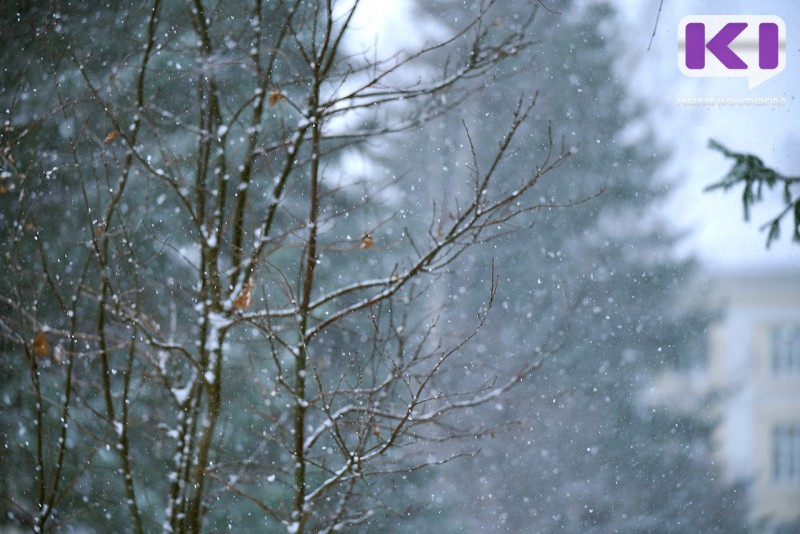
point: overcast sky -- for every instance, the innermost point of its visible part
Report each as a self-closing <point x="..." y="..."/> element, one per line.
<point x="717" y="234"/>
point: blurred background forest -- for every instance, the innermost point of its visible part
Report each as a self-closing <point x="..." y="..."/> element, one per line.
<point x="264" y="269"/>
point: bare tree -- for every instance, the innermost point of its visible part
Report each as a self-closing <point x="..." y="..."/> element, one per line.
<point x="213" y="309"/>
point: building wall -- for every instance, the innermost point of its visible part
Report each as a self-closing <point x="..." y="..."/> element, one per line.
<point x="760" y="404"/>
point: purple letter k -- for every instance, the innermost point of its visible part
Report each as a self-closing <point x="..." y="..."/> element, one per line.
<point x="718" y="45"/>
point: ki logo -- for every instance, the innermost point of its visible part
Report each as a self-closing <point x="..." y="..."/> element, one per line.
<point x="723" y="46"/>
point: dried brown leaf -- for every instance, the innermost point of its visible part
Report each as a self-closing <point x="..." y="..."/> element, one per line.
<point x="245" y="298"/>
<point x="40" y="345"/>
<point x="275" y="96"/>
<point x="367" y="241"/>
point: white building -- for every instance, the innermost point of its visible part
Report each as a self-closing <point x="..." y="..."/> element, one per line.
<point x="754" y="364"/>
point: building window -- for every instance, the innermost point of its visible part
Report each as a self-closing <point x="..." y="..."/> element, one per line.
<point x="786" y="349"/>
<point x="786" y="454"/>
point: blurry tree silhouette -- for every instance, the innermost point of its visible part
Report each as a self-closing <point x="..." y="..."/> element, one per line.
<point x="587" y="448"/>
